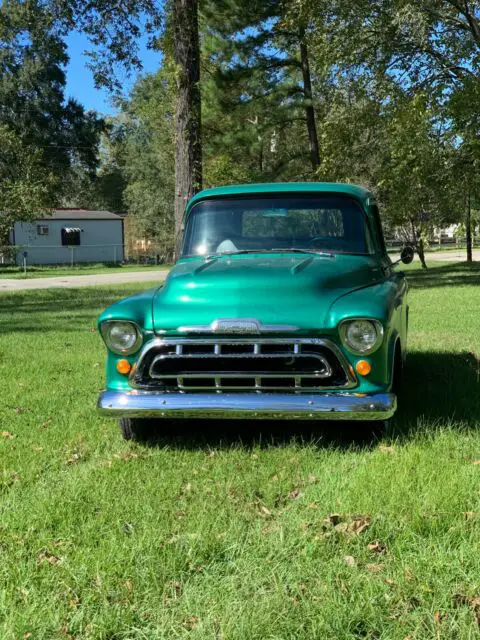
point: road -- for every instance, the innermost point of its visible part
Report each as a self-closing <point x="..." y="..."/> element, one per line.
<point x="92" y="280"/>
<point x="459" y="255"/>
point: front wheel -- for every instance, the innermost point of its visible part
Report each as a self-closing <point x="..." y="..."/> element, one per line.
<point x="137" y="429"/>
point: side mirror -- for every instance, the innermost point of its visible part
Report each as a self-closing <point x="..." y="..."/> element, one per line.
<point x="407" y="255"/>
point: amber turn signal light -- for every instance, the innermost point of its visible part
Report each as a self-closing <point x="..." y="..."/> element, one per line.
<point x="123" y="367"/>
<point x="363" y="367"/>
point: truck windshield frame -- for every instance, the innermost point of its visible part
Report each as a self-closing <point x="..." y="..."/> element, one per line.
<point x="330" y="222"/>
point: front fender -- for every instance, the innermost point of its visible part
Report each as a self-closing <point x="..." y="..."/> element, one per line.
<point x="137" y="308"/>
<point x="382" y="302"/>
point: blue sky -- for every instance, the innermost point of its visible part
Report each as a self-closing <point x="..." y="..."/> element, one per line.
<point x="80" y="83"/>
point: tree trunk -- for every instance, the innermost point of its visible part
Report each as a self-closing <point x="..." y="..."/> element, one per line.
<point x="308" y="97"/>
<point x="421" y="253"/>
<point x="188" y="143"/>
<point x="418" y="244"/>
<point x="468" y="229"/>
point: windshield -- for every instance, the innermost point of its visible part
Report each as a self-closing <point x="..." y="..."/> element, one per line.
<point x="317" y="223"/>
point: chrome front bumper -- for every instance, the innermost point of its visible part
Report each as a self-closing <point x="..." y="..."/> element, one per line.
<point x="333" y="406"/>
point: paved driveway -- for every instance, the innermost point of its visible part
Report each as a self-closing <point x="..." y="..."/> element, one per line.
<point x="456" y="255"/>
<point x="68" y="282"/>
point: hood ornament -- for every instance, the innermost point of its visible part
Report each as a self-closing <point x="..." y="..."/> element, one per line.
<point x="242" y="326"/>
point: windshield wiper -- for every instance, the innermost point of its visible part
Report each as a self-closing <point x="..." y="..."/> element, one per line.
<point x="309" y="252"/>
<point x="235" y="253"/>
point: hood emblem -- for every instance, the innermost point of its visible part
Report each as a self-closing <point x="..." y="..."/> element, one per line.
<point x="241" y="326"/>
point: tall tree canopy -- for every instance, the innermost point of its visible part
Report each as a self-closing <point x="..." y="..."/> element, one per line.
<point x="35" y="115"/>
<point x="383" y="93"/>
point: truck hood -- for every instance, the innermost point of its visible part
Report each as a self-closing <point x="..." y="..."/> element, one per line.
<point x="289" y="289"/>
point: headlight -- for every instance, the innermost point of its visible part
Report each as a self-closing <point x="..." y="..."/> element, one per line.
<point x="361" y="336"/>
<point x="121" y="336"/>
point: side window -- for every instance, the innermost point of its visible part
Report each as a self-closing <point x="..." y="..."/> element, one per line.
<point x="378" y="228"/>
<point x="71" y="237"/>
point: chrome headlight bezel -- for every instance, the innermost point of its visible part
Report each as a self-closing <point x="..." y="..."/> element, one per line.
<point x="106" y="329"/>
<point x="361" y="352"/>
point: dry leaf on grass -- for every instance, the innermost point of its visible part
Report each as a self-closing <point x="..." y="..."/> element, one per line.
<point x="46" y="556"/>
<point x="126" y="456"/>
<point x="295" y="493"/>
<point x="186" y="487"/>
<point x="347" y="524"/>
<point x="376" y="547"/>
<point x="191" y="622"/>
<point x="383" y="448"/>
<point x="476" y="462"/>
<point x="333" y="518"/>
<point x="471" y="601"/>
<point x="74" y="458"/>
<point x="375" y="568"/>
<point x="350" y="560"/>
<point x="7" y="435"/>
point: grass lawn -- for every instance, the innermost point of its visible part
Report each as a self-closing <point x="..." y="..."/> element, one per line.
<point x="47" y="271"/>
<point x="242" y="531"/>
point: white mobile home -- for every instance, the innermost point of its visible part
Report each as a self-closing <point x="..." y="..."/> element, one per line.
<point x="70" y="236"/>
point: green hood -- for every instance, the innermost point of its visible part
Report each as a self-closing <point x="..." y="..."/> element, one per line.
<point x="275" y="289"/>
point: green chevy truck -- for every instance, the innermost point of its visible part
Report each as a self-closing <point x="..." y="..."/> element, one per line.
<point x="283" y="304"/>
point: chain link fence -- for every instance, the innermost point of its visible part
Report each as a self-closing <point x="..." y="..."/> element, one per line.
<point x="29" y="255"/>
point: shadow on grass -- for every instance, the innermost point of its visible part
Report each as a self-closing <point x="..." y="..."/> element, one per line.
<point x="46" y="309"/>
<point x="455" y="274"/>
<point x="439" y="389"/>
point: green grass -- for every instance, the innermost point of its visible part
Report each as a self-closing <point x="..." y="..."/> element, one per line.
<point x="225" y="531"/>
<point x="46" y="271"/>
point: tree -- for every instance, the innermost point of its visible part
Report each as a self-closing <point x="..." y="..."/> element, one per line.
<point x="146" y="154"/>
<point x="32" y="101"/>
<point x="114" y="28"/>
<point x="188" y="143"/>
<point x="259" y="57"/>
<point x="26" y="187"/>
<point x="417" y="182"/>
<point x="429" y="46"/>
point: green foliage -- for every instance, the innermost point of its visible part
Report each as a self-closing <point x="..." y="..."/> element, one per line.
<point x="417" y="181"/>
<point x="393" y="99"/>
<point x="26" y="186"/>
<point x="139" y="154"/>
<point x="254" y="95"/>
<point x="64" y="138"/>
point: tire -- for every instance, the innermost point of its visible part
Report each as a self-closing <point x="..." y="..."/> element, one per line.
<point x="137" y="429"/>
<point x="397" y="383"/>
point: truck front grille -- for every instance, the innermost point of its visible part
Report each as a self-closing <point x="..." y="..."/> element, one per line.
<point x="229" y="365"/>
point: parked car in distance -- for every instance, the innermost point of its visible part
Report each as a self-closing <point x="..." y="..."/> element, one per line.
<point x="283" y="304"/>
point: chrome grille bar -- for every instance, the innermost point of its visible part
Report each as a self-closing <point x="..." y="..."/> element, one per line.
<point x="248" y="364"/>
